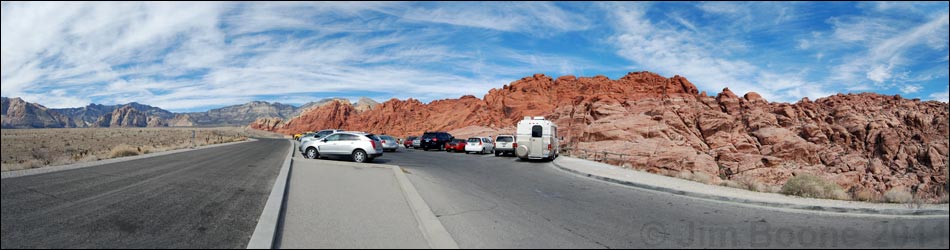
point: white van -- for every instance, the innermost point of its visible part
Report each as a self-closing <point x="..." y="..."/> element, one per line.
<point x="536" y="139"/>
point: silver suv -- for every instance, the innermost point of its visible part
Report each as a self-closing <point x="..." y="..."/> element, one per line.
<point x="360" y="147"/>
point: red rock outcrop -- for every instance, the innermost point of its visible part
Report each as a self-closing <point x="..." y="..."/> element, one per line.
<point x="864" y="142"/>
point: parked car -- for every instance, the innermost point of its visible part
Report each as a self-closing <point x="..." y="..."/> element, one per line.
<point x="389" y="143"/>
<point x="435" y="140"/>
<point x="304" y="135"/>
<point x="417" y="143"/>
<point x="537" y="139"/>
<point x="360" y="147"/>
<point x="409" y="140"/>
<point x="505" y="144"/>
<point x="456" y="145"/>
<point x="480" y="145"/>
<point x="318" y="135"/>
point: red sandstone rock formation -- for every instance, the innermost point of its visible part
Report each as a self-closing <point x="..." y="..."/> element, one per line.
<point x="864" y="142"/>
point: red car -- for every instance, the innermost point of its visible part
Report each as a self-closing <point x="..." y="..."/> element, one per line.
<point x="456" y="145"/>
<point x="408" y="141"/>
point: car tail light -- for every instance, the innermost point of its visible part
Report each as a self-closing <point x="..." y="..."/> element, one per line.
<point x="549" y="147"/>
<point x="373" y="142"/>
<point x="435" y="139"/>
<point x="514" y="145"/>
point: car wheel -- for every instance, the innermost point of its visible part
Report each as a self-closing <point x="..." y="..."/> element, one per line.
<point x="312" y="153"/>
<point x="359" y="156"/>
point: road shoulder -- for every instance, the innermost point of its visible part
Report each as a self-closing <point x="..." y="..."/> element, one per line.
<point x="265" y="232"/>
<point x="637" y="179"/>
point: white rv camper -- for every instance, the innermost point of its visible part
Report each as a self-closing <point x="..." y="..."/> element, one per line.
<point x="536" y="139"/>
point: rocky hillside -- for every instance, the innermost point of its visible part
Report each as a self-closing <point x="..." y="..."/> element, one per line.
<point x="129" y="117"/>
<point x="31" y="115"/>
<point x="867" y="143"/>
<point x="241" y="115"/>
<point x="90" y="115"/>
<point x="21" y="114"/>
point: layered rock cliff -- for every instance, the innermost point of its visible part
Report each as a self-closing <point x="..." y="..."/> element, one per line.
<point x="18" y="113"/>
<point x="129" y="117"/>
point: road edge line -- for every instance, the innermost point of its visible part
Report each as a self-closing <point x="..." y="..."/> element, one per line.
<point x="740" y="201"/>
<point x="265" y="233"/>
<point x="432" y="229"/>
<point x="81" y="165"/>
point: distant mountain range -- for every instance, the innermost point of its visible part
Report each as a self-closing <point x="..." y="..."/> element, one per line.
<point x="17" y="113"/>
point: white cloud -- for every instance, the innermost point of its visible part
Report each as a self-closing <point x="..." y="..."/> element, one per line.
<point x="910" y="88"/>
<point x="182" y="56"/>
<point x="534" y="17"/>
<point x="889" y="45"/>
<point x="941" y="96"/>
<point x="671" y="51"/>
<point x="879" y="74"/>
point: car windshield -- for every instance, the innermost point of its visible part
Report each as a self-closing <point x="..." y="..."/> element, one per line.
<point x="505" y="139"/>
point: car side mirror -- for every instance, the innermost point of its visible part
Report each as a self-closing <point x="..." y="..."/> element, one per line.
<point x="324" y="140"/>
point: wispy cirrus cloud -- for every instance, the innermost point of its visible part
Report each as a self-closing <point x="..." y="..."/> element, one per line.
<point x="194" y="56"/>
<point x="184" y="56"/>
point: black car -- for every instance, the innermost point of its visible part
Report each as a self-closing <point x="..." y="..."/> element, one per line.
<point x="435" y="140"/>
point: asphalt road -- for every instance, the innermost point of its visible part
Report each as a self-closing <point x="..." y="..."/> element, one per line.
<point x="209" y="198"/>
<point x="489" y="202"/>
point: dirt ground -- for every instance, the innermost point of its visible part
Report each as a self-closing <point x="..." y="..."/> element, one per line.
<point x="35" y="148"/>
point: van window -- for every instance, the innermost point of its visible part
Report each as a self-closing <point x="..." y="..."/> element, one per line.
<point x="536" y="131"/>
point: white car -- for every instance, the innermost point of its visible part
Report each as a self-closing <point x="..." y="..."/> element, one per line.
<point x="481" y="145"/>
<point x="318" y="135"/>
<point x="417" y="143"/>
<point x="505" y="144"/>
<point x="360" y="147"/>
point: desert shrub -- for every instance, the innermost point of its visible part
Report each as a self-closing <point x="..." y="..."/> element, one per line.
<point x="865" y="195"/>
<point x="811" y="186"/>
<point x="697" y="177"/>
<point x="898" y="195"/>
<point x="733" y="184"/>
<point x="123" y="150"/>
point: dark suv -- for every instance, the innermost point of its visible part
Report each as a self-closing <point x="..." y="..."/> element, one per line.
<point x="435" y="140"/>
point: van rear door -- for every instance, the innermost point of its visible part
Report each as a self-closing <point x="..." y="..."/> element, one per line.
<point x="536" y="146"/>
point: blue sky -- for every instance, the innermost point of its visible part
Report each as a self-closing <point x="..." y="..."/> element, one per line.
<point x="197" y="56"/>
